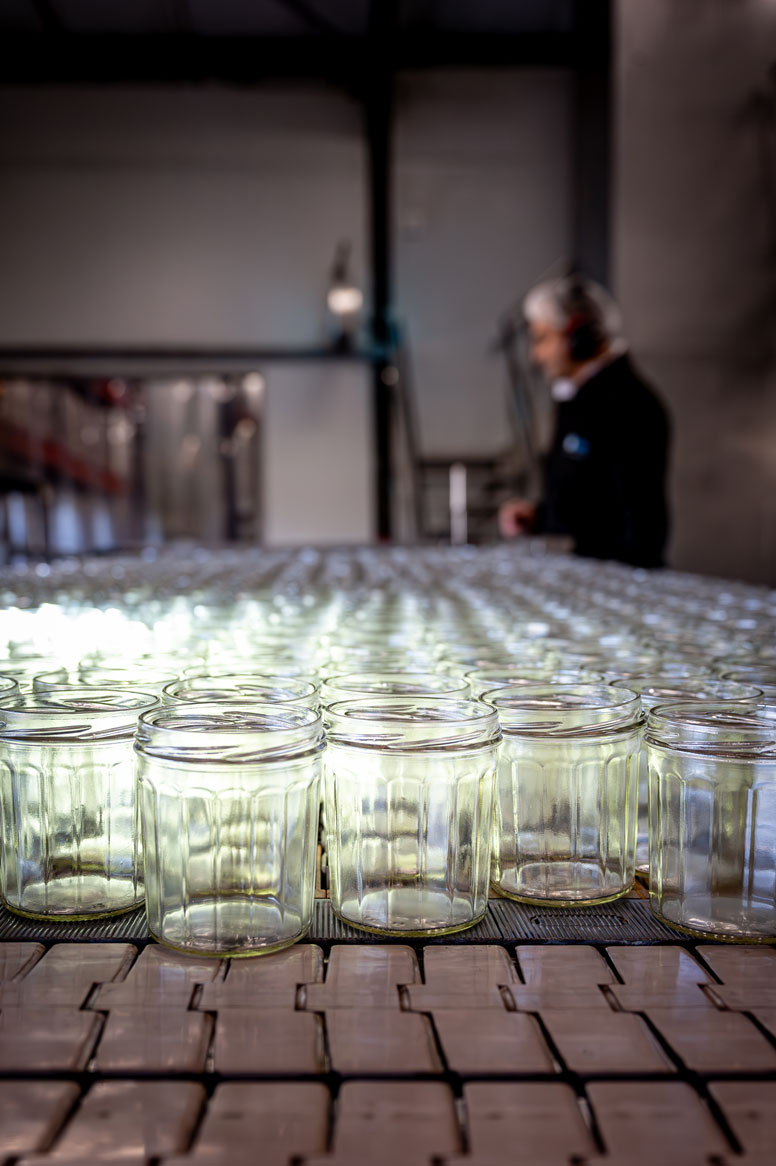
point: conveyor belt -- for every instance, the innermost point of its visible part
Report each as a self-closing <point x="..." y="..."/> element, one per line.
<point x="625" y="921"/>
<point x="472" y="1053"/>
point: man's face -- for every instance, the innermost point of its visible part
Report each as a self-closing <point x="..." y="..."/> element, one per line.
<point x="550" y="350"/>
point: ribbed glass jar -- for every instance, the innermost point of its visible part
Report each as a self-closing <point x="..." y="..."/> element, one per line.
<point x="566" y="794"/>
<point x="230" y="795"/>
<point x="70" y="827"/>
<point x="214" y="688"/>
<point x="660" y="688"/>
<point x="762" y="676"/>
<point x="143" y="679"/>
<point x="352" y="685"/>
<point x="409" y="800"/>
<point x="485" y="680"/>
<point x="712" y="774"/>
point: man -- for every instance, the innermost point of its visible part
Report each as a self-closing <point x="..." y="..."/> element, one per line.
<point x="604" y="474"/>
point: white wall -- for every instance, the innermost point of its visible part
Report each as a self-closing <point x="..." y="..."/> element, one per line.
<point x="318" y="454"/>
<point x="173" y="216"/>
<point x="695" y="235"/>
<point x="482" y="209"/>
<point x="208" y="217"/>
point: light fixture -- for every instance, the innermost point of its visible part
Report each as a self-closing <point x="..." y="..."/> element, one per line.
<point x="344" y="298"/>
<point x="254" y="384"/>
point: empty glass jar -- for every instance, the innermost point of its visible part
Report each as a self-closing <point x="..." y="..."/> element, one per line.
<point x="566" y="794"/>
<point x="230" y="796"/>
<point x="659" y="688"/>
<point x="351" y="685"/>
<point x="242" y="687"/>
<point x="712" y="774"/>
<point x="70" y="830"/>
<point x="409" y="799"/>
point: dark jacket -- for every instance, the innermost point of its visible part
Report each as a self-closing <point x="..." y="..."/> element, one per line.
<point x="605" y="472"/>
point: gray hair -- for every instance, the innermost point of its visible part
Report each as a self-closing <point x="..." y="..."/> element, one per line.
<point x="556" y="300"/>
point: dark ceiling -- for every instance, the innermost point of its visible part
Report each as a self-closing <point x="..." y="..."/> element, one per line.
<point x="278" y="17"/>
<point x="247" y="41"/>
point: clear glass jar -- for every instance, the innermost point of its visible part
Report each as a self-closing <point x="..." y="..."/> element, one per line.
<point x="145" y="679"/>
<point x="486" y="680"/>
<point x="241" y="687"/>
<point x="567" y="793"/>
<point x="409" y="799"/>
<point x="762" y="676"/>
<point x="8" y="685"/>
<point x="350" y="685"/>
<point x="24" y="669"/>
<point x="70" y="829"/>
<point x="712" y="775"/>
<point x="660" y="688"/>
<point x="230" y="795"/>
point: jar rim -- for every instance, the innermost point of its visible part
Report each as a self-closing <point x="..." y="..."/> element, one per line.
<point x="565" y="710"/>
<point x="753" y="674"/>
<point x="392" y="682"/>
<point x="244" y="686"/>
<point x="72" y="713"/>
<point x="229" y="732"/>
<point x="657" y="689"/>
<point x="713" y="728"/>
<point x="98" y="677"/>
<point x="411" y="723"/>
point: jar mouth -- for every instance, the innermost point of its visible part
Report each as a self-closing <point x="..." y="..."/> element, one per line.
<point x="212" y="688"/>
<point x="24" y="668"/>
<point x="228" y="732"/>
<point x="735" y="732"/>
<point x="129" y="678"/>
<point x="565" y="710"/>
<point x="483" y="681"/>
<point x="342" y="686"/>
<point x="763" y="678"/>
<point x="79" y="713"/>
<point x="669" y="690"/>
<point x="411" y="724"/>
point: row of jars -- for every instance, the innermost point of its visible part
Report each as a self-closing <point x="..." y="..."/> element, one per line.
<point x="430" y="797"/>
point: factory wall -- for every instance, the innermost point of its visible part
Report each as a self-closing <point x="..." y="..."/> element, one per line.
<point x="482" y="210"/>
<point x="208" y="216"/>
<point x="175" y="216"/>
<point x="695" y="235"/>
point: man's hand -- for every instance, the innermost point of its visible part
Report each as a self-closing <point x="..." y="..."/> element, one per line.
<point x="516" y="516"/>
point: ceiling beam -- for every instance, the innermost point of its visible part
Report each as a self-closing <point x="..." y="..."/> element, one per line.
<point x="315" y="20"/>
<point x="241" y="60"/>
<point x="51" y="20"/>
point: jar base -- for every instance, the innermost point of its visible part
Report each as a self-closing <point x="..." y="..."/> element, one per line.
<point x="237" y="954"/>
<point x="714" y="930"/>
<point x="560" y="884"/>
<point x="56" y="896"/>
<point x="407" y="912"/>
<point x="229" y="929"/>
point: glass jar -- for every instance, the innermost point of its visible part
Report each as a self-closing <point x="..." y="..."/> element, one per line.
<point x="485" y="680"/>
<point x="70" y="831"/>
<point x="229" y="795"/>
<point x="24" y="669"/>
<point x="660" y="688"/>
<point x="241" y="687"/>
<point x="566" y="794"/>
<point x="145" y="679"/>
<point x="409" y="799"/>
<point x="350" y="685"/>
<point x="712" y="775"/>
<point x="762" y="676"/>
